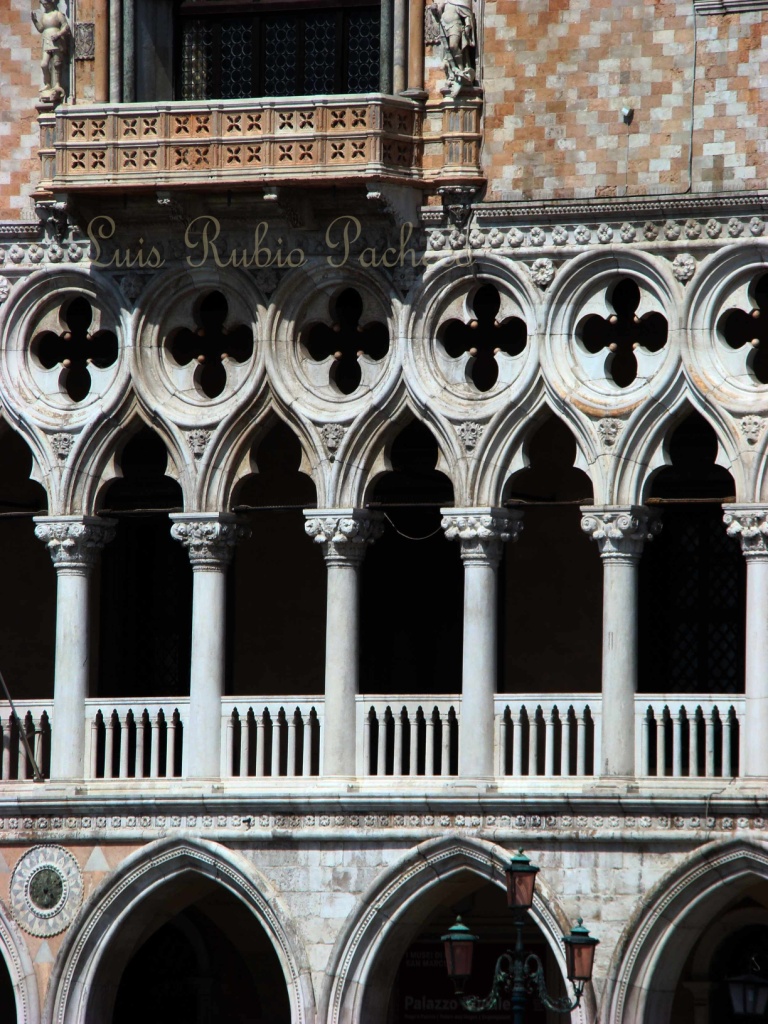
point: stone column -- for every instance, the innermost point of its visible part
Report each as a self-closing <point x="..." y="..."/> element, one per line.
<point x="74" y="543"/>
<point x="481" y="532"/>
<point x="620" y="533"/>
<point x="344" y="534"/>
<point x="416" y="47"/>
<point x="210" y="539"/>
<point x="399" y="47"/>
<point x="750" y="524"/>
<point x="101" y="51"/>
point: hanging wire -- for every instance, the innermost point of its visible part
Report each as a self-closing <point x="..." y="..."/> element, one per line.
<point x="408" y="535"/>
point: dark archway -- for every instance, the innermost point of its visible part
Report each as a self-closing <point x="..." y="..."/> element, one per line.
<point x="412" y="578"/>
<point x="28" y="620"/>
<point x="209" y="962"/>
<point x="144" y="598"/>
<point x="277" y="579"/>
<point x="692" y="575"/>
<point x="550" y="579"/>
<point x="7" y="995"/>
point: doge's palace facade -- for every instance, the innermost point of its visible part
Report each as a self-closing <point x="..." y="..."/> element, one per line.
<point x="388" y="386"/>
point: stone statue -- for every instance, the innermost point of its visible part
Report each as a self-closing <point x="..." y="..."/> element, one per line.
<point x="456" y="24"/>
<point x="53" y="25"/>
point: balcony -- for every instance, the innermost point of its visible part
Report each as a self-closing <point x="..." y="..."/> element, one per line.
<point x="309" y="140"/>
<point x="537" y="739"/>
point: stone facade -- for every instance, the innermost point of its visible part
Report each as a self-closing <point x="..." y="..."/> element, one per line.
<point x="569" y="229"/>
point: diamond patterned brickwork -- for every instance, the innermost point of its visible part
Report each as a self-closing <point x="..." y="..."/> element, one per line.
<point x="556" y="77"/>
<point x="19" y="134"/>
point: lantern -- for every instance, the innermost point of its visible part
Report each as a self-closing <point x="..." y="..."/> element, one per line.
<point x="749" y="995"/>
<point x="579" y="954"/>
<point x="521" y="879"/>
<point x="459" y="945"/>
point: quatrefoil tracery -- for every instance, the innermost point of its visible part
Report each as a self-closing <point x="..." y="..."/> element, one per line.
<point x="484" y="337"/>
<point x="347" y="340"/>
<point x="740" y="328"/>
<point x="623" y="332"/>
<point x="212" y="344"/>
<point x="76" y="349"/>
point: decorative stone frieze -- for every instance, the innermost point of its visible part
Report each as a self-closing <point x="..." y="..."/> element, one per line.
<point x="620" y="532"/>
<point x="684" y="267"/>
<point x="750" y="524"/>
<point x="74" y="542"/>
<point x="482" y="531"/>
<point x="209" y="539"/>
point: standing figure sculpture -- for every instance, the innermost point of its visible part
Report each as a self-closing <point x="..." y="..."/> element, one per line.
<point x="456" y="24"/>
<point x="53" y="25"/>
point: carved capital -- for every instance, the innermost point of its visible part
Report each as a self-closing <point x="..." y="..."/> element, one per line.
<point x="750" y="524"/>
<point x="482" y="531"/>
<point x="620" y="532"/>
<point x="345" y="532"/>
<point x="74" y="542"/>
<point x="210" y="539"/>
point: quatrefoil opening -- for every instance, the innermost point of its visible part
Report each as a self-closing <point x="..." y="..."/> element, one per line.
<point x="623" y="332"/>
<point x="347" y="340"/>
<point x="484" y="337"/>
<point x="739" y="328"/>
<point x="76" y="349"/>
<point x="212" y="345"/>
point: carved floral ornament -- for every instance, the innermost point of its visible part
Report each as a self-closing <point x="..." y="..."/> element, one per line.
<point x="750" y="525"/>
<point x="74" y="543"/>
<point x="482" y="532"/>
<point x="211" y="541"/>
<point x="348" y="527"/>
<point x="620" y="532"/>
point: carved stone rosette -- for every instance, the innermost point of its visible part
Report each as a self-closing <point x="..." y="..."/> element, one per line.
<point x="750" y="524"/>
<point x="482" y="531"/>
<point x="620" y="532"/>
<point x="74" y="542"/>
<point x="209" y="539"/>
<point x="345" y="532"/>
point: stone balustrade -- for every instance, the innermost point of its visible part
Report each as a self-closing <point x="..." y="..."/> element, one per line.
<point x="543" y="737"/>
<point x="294" y="139"/>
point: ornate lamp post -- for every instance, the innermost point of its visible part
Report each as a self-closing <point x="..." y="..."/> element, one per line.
<point x="518" y="973"/>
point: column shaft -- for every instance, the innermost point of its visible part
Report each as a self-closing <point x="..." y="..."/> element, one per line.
<point x="115" y="51"/>
<point x="210" y="539"/>
<point x="620" y="533"/>
<point x="101" y="51"/>
<point x="481" y="532"/>
<point x="750" y="524"/>
<point x="416" y="46"/>
<point x="74" y="543"/>
<point x="399" y="47"/>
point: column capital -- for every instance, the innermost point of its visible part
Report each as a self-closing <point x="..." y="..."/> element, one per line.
<point x="750" y="524"/>
<point x="482" y="531"/>
<point x="620" y="530"/>
<point x="345" y="533"/>
<point x="74" y="542"/>
<point x="209" y="537"/>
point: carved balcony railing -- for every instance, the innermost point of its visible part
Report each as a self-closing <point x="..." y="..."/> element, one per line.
<point x="340" y="139"/>
<point x="537" y="738"/>
<point x="304" y="140"/>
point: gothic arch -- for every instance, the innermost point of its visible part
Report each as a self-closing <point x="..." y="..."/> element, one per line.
<point x="14" y="952"/>
<point x="659" y="937"/>
<point x="84" y="955"/>
<point x="382" y="919"/>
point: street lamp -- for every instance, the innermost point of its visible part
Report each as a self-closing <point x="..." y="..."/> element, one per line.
<point x="518" y="973"/>
<point x="749" y="995"/>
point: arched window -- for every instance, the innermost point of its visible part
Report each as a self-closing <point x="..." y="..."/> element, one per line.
<point x="239" y="49"/>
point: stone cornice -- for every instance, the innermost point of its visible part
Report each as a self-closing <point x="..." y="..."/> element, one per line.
<point x="706" y="7"/>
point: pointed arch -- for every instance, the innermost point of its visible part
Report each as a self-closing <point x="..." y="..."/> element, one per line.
<point x="86" y="947"/>
<point x="659" y="937"/>
<point x="382" y="918"/>
<point x="14" y="952"/>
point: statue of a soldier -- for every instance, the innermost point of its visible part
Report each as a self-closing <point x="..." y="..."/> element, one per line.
<point x="456" y="23"/>
<point x="53" y="25"/>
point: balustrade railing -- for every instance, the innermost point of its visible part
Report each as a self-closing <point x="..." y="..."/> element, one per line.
<point x="688" y="737"/>
<point x="696" y="736"/>
<point x="413" y="735"/>
<point x="134" y="739"/>
<point x="35" y="723"/>
<point x="272" y="736"/>
<point x="556" y="735"/>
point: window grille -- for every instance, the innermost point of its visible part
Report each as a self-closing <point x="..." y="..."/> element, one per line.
<point x="237" y="51"/>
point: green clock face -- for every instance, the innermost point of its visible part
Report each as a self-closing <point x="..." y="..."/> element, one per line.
<point x="46" y="887"/>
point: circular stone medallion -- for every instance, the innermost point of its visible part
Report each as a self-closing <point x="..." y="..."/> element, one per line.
<point x="46" y="890"/>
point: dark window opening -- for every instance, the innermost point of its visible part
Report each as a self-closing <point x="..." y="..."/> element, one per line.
<point x="241" y="50"/>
